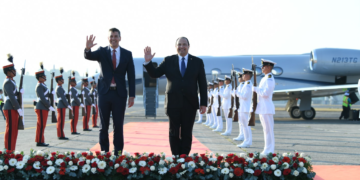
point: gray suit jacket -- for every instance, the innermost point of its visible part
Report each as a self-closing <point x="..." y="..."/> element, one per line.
<point x="60" y="93"/>
<point x="75" y="101"/>
<point x="42" y="93"/>
<point x="10" y="91"/>
<point x="87" y="97"/>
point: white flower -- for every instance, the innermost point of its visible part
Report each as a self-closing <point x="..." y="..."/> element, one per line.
<point x="27" y="157"/>
<point x="304" y="170"/>
<point x="101" y="165"/>
<point x="152" y="168"/>
<point x="192" y="164"/>
<point x="20" y="165"/>
<point x="302" y="155"/>
<point x="162" y="170"/>
<point x="273" y="166"/>
<point x="133" y="163"/>
<point x="87" y="152"/>
<point x="207" y="170"/>
<point x="255" y="164"/>
<point x="301" y="164"/>
<point x="308" y="159"/>
<point x="50" y="163"/>
<point x="40" y="153"/>
<point x="264" y="166"/>
<point x="93" y="170"/>
<point x="73" y="168"/>
<point x="132" y="170"/>
<point x="202" y="163"/>
<point x="182" y="173"/>
<point x="1" y="168"/>
<point x="277" y="173"/>
<point x="169" y="159"/>
<point x="117" y="165"/>
<point x="213" y="168"/>
<point x="36" y="165"/>
<point x="142" y="163"/>
<point x="275" y="159"/>
<point x="172" y="165"/>
<point x="181" y="160"/>
<point x="285" y="165"/>
<point x="12" y="162"/>
<point x="16" y="152"/>
<point x="173" y="156"/>
<point x="296" y="173"/>
<point x="102" y="153"/>
<point x="2" y="161"/>
<point x="183" y="166"/>
<point x="86" y="168"/>
<point x="236" y="165"/>
<point x="123" y="162"/>
<point x="212" y="159"/>
<point x="243" y="155"/>
<point x="88" y="161"/>
<point x="112" y="157"/>
<point x="250" y="171"/>
<point x="70" y="163"/>
<point x="263" y="156"/>
<point x="211" y="154"/>
<point x="225" y="171"/>
<point x="59" y="161"/>
<point x="285" y="154"/>
<point x="50" y="170"/>
<point x="226" y="164"/>
<point x="249" y="159"/>
<point x="95" y="160"/>
<point x="163" y="154"/>
<point x="146" y="154"/>
<point x="231" y="175"/>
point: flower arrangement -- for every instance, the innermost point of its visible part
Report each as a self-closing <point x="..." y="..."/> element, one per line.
<point x="101" y="165"/>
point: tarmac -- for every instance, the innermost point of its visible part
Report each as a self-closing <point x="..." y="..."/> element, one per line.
<point x="328" y="140"/>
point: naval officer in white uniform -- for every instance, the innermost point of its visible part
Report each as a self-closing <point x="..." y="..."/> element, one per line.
<point x="209" y="115"/>
<point x="226" y="105"/>
<point x="265" y="107"/>
<point x="215" y="105"/>
<point x="240" y="137"/>
<point x="219" y="126"/>
<point x="245" y="96"/>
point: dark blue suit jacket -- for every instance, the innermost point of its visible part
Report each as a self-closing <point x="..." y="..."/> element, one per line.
<point x="107" y="72"/>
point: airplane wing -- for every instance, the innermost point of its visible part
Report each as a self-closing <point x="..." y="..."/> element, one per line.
<point x="316" y="91"/>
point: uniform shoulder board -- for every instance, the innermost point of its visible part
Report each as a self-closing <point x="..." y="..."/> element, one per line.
<point x="248" y="82"/>
<point x="269" y="76"/>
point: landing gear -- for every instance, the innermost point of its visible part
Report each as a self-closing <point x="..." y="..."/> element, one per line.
<point x="295" y="112"/>
<point x="308" y="114"/>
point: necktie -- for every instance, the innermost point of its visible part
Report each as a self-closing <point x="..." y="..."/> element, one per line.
<point x="114" y="64"/>
<point x="183" y="68"/>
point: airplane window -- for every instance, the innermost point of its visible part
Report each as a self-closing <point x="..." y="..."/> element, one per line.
<point x="277" y="71"/>
<point x="258" y="71"/>
<point x="216" y="72"/>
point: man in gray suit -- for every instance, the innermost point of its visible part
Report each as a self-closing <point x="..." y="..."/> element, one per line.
<point x="62" y="104"/>
<point x="75" y="103"/>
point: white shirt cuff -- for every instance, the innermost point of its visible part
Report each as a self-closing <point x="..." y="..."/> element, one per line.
<point x="146" y="63"/>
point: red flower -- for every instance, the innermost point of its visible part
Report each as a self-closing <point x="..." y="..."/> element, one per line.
<point x="255" y="160"/>
<point x="151" y="163"/>
<point x="295" y="165"/>
<point x="286" y="159"/>
<point x="60" y="156"/>
<point x="151" y="154"/>
<point x="53" y="153"/>
<point x="72" y="153"/>
<point x="183" y="156"/>
<point x="44" y="163"/>
<point x="81" y="163"/>
<point x="67" y="159"/>
<point x="220" y="158"/>
<point x="199" y="171"/>
<point x="156" y="159"/>
<point x="294" y="158"/>
<point x="10" y="170"/>
<point x="97" y="153"/>
<point x="257" y="172"/>
<point x="268" y="172"/>
<point x="271" y="162"/>
<point x="286" y="172"/>
<point x="238" y="172"/>
<point x="62" y="171"/>
<point x="202" y="155"/>
<point x="100" y="170"/>
<point x="251" y="155"/>
<point x="75" y="161"/>
<point x="228" y="160"/>
<point x="6" y="161"/>
<point x="274" y="155"/>
<point x="18" y="156"/>
<point x="63" y="164"/>
<point x="296" y="154"/>
<point x="230" y="155"/>
<point x="94" y="164"/>
<point x="100" y="157"/>
<point x="108" y="154"/>
<point x="0" y="152"/>
<point x="263" y="160"/>
<point x="8" y="151"/>
<point x="125" y="171"/>
<point x="12" y="155"/>
<point x="173" y="170"/>
<point x="302" y="160"/>
<point x="111" y="163"/>
<point x="188" y="159"/>
<point x="241" y="160"/>
<point x="84" y="154"/>
<point x="28" y="168"/>
<point x="89" y="157"/>
<point x="144" y="169"/>
<point x="137" y="161"/>
<point x="210" y="163"/>
<point x="52" y="158"/>
<point x="137" y="154"/>
<point x="38" y="170"/>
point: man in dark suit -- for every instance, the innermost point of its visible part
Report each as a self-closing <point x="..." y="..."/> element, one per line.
<point x="115" y="62"/>
<point x="184" y="73"/>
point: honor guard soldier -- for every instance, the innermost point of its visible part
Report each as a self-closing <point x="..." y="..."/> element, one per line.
<point x="235" y="92"/>
<point x="245" y="96"/>
<point x="62" y="104"/>
<point x="42" y="107"/>
<point x="94" y="94"/>
<point x="12" y="109"/>
<point x="87" y="103"/>
<point x="226" y="105"/>
<point x="219" y="102"/>
<point x="75" y="104"/>
<point x="209" y="113"/>
<point x="265" y="107"/>
<point x="215" y="105"/>
<point x="2" y="103"/>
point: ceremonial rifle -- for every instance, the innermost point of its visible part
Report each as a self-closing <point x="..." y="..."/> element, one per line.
<point x="68" y="96"/>
<point x="232" y="98"/>
<point x="237" y="103"/>
<point x="53" y="116"/>
<point x="83" y="112"/>
<point x="19" y="96"/>
<point x="93" y="98"/>
<point x="254" y="97"/>
<point x="219" y="101"/>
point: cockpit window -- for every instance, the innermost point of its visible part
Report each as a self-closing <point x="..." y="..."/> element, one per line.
<point x="276" y="71"/>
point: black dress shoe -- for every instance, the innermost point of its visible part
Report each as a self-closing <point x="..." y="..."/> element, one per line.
<point x="63" y="138"/>
<point x="41" y="144"/>
<point x="74" y="133"/>
<point x="87" y="129"/>
<point x="95" y="126"/>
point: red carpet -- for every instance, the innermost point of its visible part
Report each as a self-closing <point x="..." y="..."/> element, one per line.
<point x="154" y="137"/>
<point x="149" y="137"/>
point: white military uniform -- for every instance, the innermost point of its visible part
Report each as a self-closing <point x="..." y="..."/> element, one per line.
<point x="213" y="108"/>
<point x="208" y="116"/>
<point x="266" y="110"/>
<point x="226" y="105"/>
<point x="241" y="129"/>
<point x="245" y="96"/>
<point x="219" y="123"/>
<point x="200" y="115"/>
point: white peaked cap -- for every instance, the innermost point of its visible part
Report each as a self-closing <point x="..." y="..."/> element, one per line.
<point x="211" y="84"/>
<point x="227" y="77"/>
<point x="220" y="79"/>
<point x="268" y="61"/>
<point x="215" y="82"/>
<point x="246" y="70"/>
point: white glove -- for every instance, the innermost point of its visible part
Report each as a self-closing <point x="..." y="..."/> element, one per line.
<point x="70" y="107"/>
<point x="51" y="108"/>
<point x="20" y="112"/>
<point x="70" y="93"/>
<point x="53" y="92"/>
<point x="93" y="105"/>
<point x="82" y="105"/>
<point x="22" y="91"/>
<point x="82" y="92"/>
<point x="255" y="89"/>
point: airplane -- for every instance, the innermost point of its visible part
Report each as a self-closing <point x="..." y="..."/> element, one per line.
<point x="322" y="72"/>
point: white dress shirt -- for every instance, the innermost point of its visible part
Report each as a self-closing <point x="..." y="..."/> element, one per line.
<point x="117" y="54"/>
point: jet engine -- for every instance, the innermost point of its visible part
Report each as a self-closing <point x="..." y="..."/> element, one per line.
<point x="337" y="62"/>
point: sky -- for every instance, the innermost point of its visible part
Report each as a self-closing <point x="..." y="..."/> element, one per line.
<point x="54" y="32"/>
